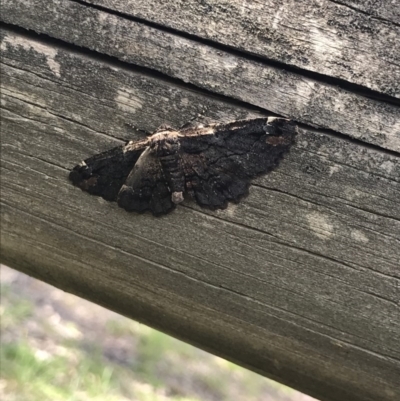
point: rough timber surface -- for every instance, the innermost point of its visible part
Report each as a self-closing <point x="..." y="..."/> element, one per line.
<point x="286" y="93"/>
<point x="322" y="36"/>
<point x="384" y="9"/>
<point x="299" y="282"/>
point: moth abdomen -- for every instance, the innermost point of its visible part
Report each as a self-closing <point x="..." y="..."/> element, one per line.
<point x="175" y="176"/>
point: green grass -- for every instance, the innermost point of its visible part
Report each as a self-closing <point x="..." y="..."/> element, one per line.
<point x="13" y="310"/>
<point x="92" y="354"/>
<point x="38" y="376"/>
<point x="34" y="375"/>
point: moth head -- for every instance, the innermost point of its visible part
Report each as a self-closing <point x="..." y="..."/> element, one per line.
<point x="165" y="142"/>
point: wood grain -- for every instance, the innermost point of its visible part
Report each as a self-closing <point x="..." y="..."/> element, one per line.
<point x="322" y="36"/>
<point x="299" y="282"/>
<point x="274" y="89"/>
<point x="384" y="9"/>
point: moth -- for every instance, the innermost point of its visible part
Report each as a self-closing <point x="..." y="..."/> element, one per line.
<point x="214" y="164"/>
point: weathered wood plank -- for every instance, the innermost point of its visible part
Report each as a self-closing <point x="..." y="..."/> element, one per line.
<point x="299" y="282"/>
<point x="273" y="89"/>
<point x="316" y="35"/>
<point x="385" y="9"/>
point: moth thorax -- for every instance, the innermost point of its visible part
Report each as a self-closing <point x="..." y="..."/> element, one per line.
<point x="167" y="147"/>
<point x="165" y="143"/>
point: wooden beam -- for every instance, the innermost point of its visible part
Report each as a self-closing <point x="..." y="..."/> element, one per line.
<point x="324" y="36"/>
<point x="286" y="93"/>
<point x="384" y="9"/>
<point x="299" y="282"/>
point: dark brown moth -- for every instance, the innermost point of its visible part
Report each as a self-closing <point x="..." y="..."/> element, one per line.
<point x="213" y="163"/>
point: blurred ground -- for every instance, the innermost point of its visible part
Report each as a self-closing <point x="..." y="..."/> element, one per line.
<point x="56" y="346"/>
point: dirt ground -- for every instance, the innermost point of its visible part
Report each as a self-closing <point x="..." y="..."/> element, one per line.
<point x="56" y="346"/>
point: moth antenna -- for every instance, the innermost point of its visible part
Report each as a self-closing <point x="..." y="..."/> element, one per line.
<point x="134" y="128"/>
<point x="196" y="117"/>
<point x="162" y="127"/>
